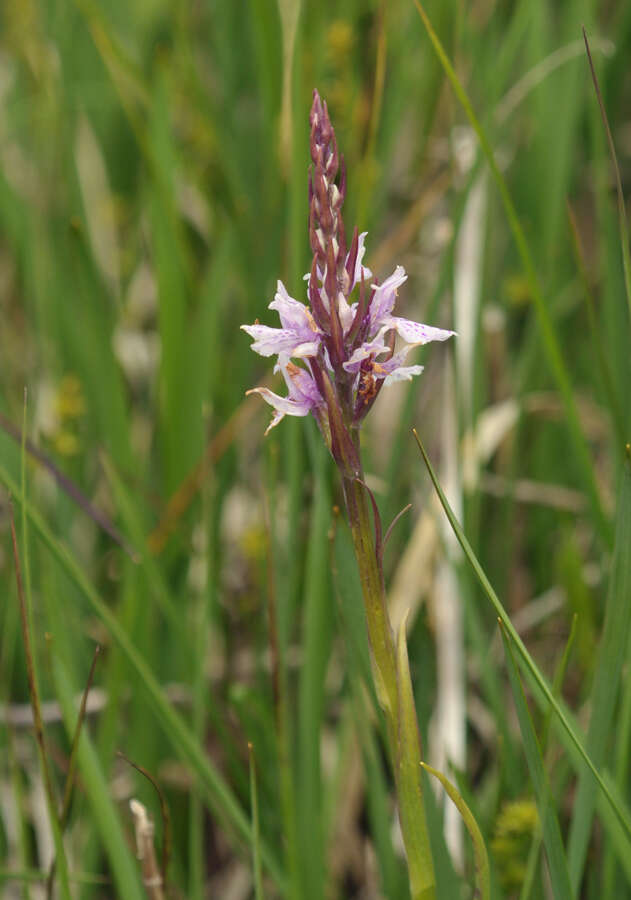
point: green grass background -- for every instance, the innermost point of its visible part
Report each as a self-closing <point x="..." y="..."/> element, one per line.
<point x="153" y="188"/>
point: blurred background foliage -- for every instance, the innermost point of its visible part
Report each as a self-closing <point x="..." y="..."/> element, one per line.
<point x="153" y="187"/>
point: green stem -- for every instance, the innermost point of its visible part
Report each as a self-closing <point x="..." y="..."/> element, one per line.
<point x="380" y="634"/>
<point x="394" y="690"/>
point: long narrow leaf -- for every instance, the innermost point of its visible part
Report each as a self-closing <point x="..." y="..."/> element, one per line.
<point x="218" y="793"/>
<point x="526" y="659"/>
<point x="550" y="342"/>
<point x="256" y="834"/>
<point x="102" y="806"/>
<point x="316" y="643"/>
<point x="623" y="224"/>
<point x="409" y="788"/>
<point x="613" y="648"/>
<point x="51" y="801"/>
<point x="557" y="863"/>
<point x="479" y="847"/>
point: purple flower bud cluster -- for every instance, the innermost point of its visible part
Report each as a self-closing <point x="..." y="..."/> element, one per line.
<point x="346" y="345"/>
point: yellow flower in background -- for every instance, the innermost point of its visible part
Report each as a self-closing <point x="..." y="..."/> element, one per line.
<point x="66" y="443"/>
<point x="63" y="408"/>
<point x="516" y="825"/>
<point x="340" y="39"/>
<point x="69" y="402"/>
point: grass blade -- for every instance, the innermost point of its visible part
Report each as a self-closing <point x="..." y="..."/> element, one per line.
<point x="622" y="752"/>
<point x="409" y="787"/>
<point x="524" y="655"/>
<point x="622" y="213"/>
<point x="280" y="688"/>
<point x="603" y="363"/>
<point x="550" y="342"/>
<point x="67" y="485"/>
<point x="612" y="653"/>
<point x="72" y="765"/>
<point x="164" y="812"/>
<point x="217" y="792"/>
<point x="528" y="884"/>
<point x="32" y="876"/>
<point x="15" y="773"/>
<point x="256" y="836"/>
<point x="557" y="863"/>
<point x="479" y="847"/>
<point x="316" y="641"/>
<point x="132" y="520"/>
<point x="98" y="791"/>
<point x="37" y="716"/>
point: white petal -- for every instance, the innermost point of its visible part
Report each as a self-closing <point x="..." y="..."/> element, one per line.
<point x="403" y="373"/>
<point x="383" y="299"/>
<point x="309" y="348"/>
<point x="307" y="276"/>
<point x="347" y="312"/>
<point x="284" y="405"/>
<point x="359" y="268"/>
<point x="293" y="314"/>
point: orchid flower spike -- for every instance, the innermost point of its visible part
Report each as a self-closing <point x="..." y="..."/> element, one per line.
<point x="345" y="338"/>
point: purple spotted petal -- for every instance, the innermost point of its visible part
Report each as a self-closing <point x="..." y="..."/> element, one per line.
<point x="392" y="369"/>
<point x="416" y="332"/>
<point x="402" y="373"/>
<point x="270" y="341"/>
<point x="383" y="299"/>
<point x="368" y="348"/>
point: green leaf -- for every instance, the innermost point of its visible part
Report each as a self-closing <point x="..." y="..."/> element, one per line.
<point x="316" y="643"/>
<point x="136" y="529"/>
<point x="557" y="863"/>
<point x="479" y="847"/>
<point x="408" y="777"/>
<point x="218" y="794"/>
<point x="527" y="661"/>
<point x="550" y="341"/>
<point x="623" y="225"/>
<point x="124" y="868"/>
<point x="256" y="834"/>
<point x="611" y="659"/>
